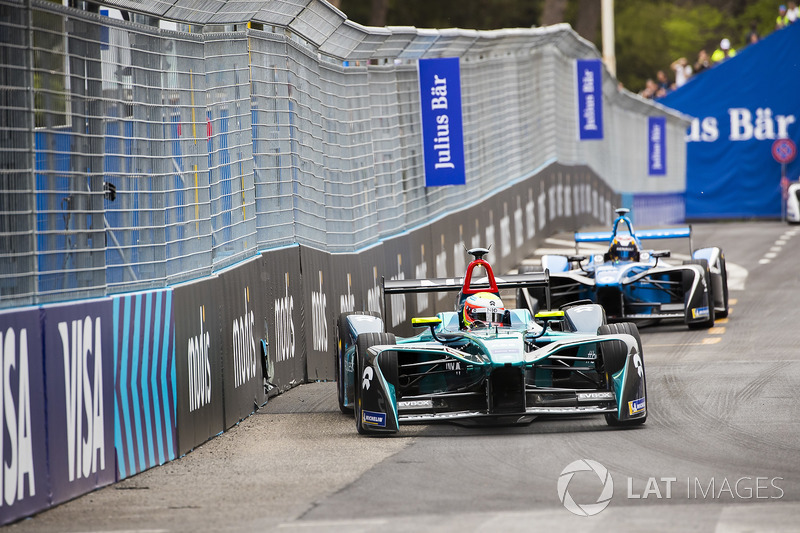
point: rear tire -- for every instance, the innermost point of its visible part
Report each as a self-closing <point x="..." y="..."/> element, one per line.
<point x="618" y="355"/>
<point x="364" y="341"/>
<point x="536" y="298"/>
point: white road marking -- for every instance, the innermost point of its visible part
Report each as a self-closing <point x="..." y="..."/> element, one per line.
<point x="778" y="247"/>
<point x="737" y="275"/>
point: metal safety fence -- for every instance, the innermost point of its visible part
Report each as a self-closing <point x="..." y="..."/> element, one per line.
<point x="134" y="156"/>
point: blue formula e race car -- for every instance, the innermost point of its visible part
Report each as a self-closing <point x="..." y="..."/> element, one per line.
<point x="634" y="284"/>
<point x="485" y="363"/>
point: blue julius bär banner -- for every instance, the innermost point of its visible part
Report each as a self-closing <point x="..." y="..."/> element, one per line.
<point x="740" y="107"/>
<point x="442" y="132"/>
<point x="590" y="99"/>
<point x="656" y="146"/>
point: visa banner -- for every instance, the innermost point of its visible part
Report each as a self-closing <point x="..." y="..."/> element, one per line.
<point x="590" y="98"/>
<point x="656" y="146"/>
<point x="24" y="484"/>
<point x="79" y="380"/>
<point x="442" y="127"/>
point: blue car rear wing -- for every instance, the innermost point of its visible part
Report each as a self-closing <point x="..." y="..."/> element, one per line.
<point x="648" y="234"/>
<point x="673" y="233"/>
<point x="606" y="236"/>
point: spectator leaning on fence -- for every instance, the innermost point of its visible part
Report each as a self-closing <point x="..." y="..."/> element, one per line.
<point x="793" y="12"/>
<point x="650" y="89"/>
<point x="783" y="19"/>
<point x="682" y="71"/>
<point x="663" y="82"/>
<point x="723" y="52"/>
<point x="752" y="36"/>
<point x="703" y="62"/>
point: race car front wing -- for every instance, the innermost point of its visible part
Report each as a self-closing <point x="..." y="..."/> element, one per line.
<point x="506" y="393"/>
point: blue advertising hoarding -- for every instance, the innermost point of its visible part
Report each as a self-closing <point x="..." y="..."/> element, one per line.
<point x="79" y="374"/>
<point x="740" y="108"/>
<point x="656" y="146"/>
<point x="24" y="486"/>
<point x="442" y="128"/>
<point x="590" y="98"/>
<point x="145" y="429"/>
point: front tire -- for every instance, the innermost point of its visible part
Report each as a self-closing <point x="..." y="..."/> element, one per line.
<point x="724" y="274"/>
<point x="617" y="355"/>
<point x="363" y="343"/>
<point x="341" y="348"/>
<point x="709" y="322"/>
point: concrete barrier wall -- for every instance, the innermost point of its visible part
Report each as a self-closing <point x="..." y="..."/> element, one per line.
<point x="95" y="391"/>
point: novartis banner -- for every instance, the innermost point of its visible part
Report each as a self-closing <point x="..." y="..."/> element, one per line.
<point x="740" y="108"/>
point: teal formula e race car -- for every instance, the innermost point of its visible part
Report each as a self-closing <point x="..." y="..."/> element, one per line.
<point x="483" y="363"/>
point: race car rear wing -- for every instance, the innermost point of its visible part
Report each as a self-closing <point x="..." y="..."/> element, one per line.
<point x="511" y="281"/>
<point x="648" y="234"/>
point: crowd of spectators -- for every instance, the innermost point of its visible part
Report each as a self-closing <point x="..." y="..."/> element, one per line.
<point x="682" y="69"/>
<point x="787" y="15"/>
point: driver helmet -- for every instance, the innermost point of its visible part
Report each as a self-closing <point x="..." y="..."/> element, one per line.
<point x="484" y="307"/>
<point x="623" y="248"/>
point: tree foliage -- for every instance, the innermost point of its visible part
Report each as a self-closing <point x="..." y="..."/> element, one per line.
<point x="650" y="34"/>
